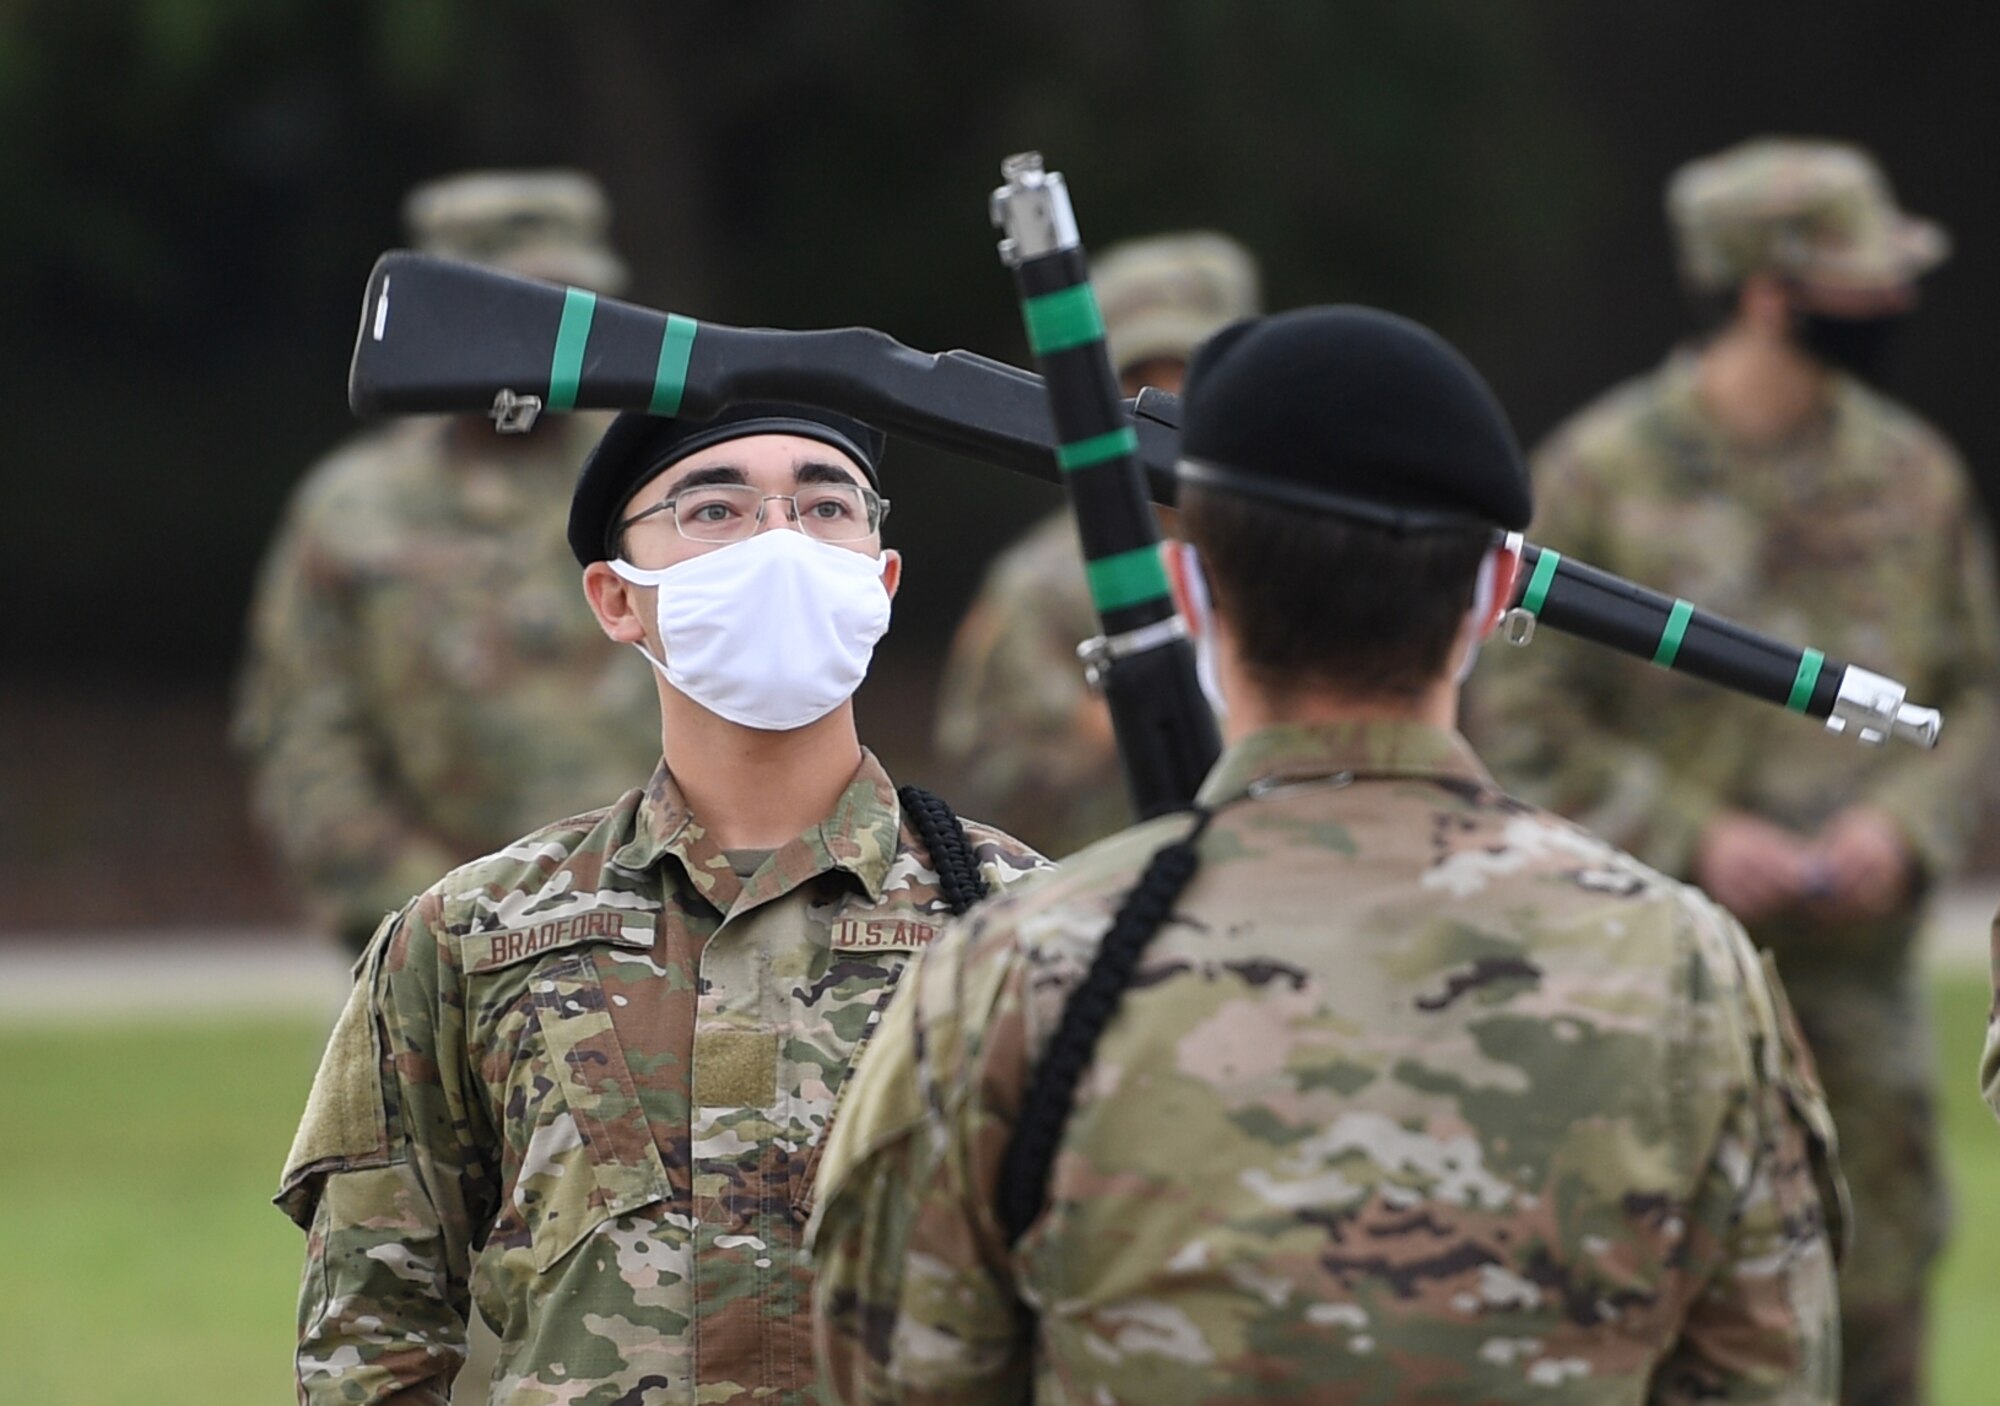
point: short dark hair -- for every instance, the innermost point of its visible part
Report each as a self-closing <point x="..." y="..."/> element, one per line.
<point x="1317" y="600"/>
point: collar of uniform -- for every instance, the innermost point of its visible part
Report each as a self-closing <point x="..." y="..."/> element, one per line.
<point x="859" y="836"/>
<point x="1681" y="400"/>
<point x="1292" y="752"/>
<point x="664" y="824"/>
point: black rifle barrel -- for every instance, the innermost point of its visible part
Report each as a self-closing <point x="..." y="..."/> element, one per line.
<point x="1167" y="737"/>
<point x="1673" y="634"/>
<point x="437" y="336"/>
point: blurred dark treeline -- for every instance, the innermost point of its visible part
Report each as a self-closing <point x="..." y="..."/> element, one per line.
<point x="195" y="189"/>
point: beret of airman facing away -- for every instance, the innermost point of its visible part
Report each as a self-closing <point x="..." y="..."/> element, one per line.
<point x="1354" y="412"/>
<point x="544" y="224"/>
<point x="1817" y="211"/>
<point x="639" y="447"/>
<point x="1161" y="296"/>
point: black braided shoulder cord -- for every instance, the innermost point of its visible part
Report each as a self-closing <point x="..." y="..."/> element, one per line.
<point x="1024" y="1184"/>
<point x="960" y="884"/>
<point x="959" y="880"/>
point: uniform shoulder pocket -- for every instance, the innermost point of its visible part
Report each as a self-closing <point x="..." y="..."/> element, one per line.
<point x="346" y="1122"/>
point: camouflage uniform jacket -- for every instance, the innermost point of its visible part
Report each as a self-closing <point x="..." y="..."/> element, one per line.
<point x="1989" y="1059"/>
<point x="1027" y="742"/>
<point x="1420" y="1096"/>
<point x="1858" y="536"/>
<point x="425" y="680"/>
<point x="605" y="1064"/>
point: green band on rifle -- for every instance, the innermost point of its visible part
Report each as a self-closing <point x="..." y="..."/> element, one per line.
<point x="1670" y="638"/>
<point x="566" y="367"/>
<point x="1130" y="578"/>
<point x="670" y="378"/>
<point x="1097" y="449"/>
<point x="1806" y="680"/>
<point x="1059" y="321"/>
<point x="1538" y="584"/>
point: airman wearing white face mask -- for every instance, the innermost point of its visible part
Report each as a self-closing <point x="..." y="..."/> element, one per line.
<point x="615" y="1046"/>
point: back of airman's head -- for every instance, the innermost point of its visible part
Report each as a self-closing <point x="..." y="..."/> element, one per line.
<point x="1808" y="211"/>
<point x="1163" y="295"/>
<point x="1343" y="472"/>
<point x="545" y="224"/>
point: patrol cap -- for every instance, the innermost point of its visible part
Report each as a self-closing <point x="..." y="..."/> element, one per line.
<point x="1354" y="412"/>
<point x="638" y="447"/>
<point x="1161" y="296"/>
<point x="544" y="224"/>
<point x="1817" y="211"/>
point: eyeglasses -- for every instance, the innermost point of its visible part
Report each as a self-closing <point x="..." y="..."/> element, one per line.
<point x="731" y="512"/>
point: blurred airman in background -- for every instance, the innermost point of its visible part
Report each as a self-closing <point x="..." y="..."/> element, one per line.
<point x="1762" y="473"/>
<point x="424" y="681"/>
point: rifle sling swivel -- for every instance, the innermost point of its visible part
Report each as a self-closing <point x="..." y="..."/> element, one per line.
<point x="1098" y="651"/>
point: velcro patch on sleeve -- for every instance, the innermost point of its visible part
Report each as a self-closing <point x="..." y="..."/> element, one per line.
<point x="346" y="1123"/>
<point x="484" y="951"/>
<point x="907" y="931"/>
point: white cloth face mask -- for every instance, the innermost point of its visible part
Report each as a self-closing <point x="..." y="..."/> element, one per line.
<point x="773" y="632"/>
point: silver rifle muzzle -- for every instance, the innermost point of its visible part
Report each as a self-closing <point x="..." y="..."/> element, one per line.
<point x="1871" y="709"/>
<point x="1032" y="210"/>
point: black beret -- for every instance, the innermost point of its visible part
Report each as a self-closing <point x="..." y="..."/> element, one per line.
<point x="638" y="446"/>
<point x="1355" y="412"/>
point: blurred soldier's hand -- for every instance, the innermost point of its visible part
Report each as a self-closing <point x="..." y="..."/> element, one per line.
<point x="1862" y="866"/>
<point x="1750" y="866"/>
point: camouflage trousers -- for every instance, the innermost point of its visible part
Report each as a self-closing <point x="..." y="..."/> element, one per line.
<point x="1890" y="1155"/>
<point x="1882" y="1354"/>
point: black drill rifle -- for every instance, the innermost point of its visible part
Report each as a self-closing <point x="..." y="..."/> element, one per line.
<point x="441" y="336"/>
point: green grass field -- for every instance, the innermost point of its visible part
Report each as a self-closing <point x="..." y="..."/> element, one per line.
<point x="140" y="1260"/>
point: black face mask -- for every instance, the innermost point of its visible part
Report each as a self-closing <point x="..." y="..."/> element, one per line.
<point x="1860" y="346"/>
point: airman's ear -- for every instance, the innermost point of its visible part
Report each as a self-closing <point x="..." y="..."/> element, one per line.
<point x="615" y="602"/>
<point x="1173" y="555"/>
<point x="1506" y="571"/>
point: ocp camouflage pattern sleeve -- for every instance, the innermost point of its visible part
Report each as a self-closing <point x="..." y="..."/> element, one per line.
<point x="1989" y="1059"/>
<point x="387" y="1179"/>
<point x="1765" y="1325"/>
<point x="902" y="1315"/>
<point x="1420" y="1097"/>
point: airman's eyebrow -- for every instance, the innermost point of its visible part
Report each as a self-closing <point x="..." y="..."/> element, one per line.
<point x="712" y="473"/>
<point x="805" y="471"/>
<point x="820" y="471"/>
